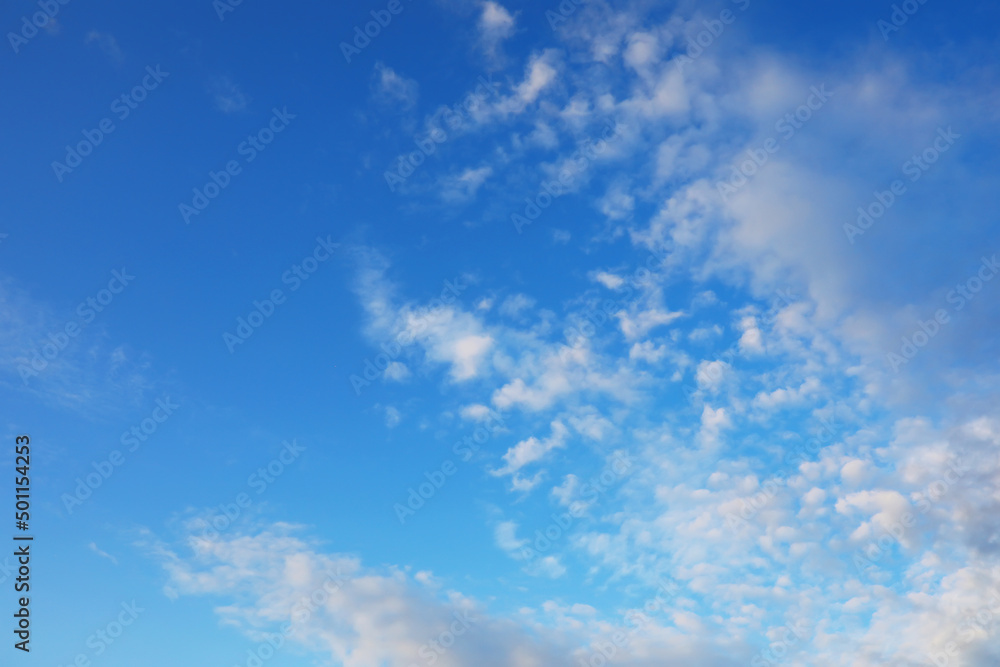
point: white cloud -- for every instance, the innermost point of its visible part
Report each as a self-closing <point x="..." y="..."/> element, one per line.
<point x="784" y="397"/>
<point x="854" y="472"/>
<point x="532" y="450"/>
<point x="639" y="322"/>
<point x="397" y="371"/>
<point x="467" y="355"/>
<point x="609" y="280"/>
<point x="647" y="351"/>
<point x="547" y="566"/>
<point x="463" y="186"/>
<point x="557" y="373"/>
<point x="103" y="554"/>
<point x="476" y="412"/>
<point x="568" y="491"/>
<point x="445" y="333"/>
<point x="617" y="203"/>
<point x="642" y="51"/>
<point x="541" y="73"/>
<point x="514" y="304"/>
<point x="107" y="44"/>
<point x="360" y="617"/>
<point x="392" y="89"/>
<point x="505" y="534"/>
<point x="587" y="422"/>
<point x="713" y="422"/>
<point x="712" y="374"/>
<point x="782" y="230"/>
<point x="496" y="24"/>
<point x="701" y="334"/>
<point x="92" y="374"/>
<point x="227" y="95"/>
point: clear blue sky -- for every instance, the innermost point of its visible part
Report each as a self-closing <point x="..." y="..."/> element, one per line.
<point x="645" y="328"/>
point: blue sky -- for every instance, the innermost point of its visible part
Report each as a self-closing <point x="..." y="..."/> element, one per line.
<point x="507" y="334"/>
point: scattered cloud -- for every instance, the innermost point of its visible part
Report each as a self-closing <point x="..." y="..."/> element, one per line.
<point x="391" y="89"/>
<point x="107" y="44"/>
<point x="227" y="95"/>
<point x="495" y="25"/>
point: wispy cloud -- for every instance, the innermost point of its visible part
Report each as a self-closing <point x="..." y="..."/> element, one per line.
<point x="227" y="95"/>
<point x="107" y="43"/>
